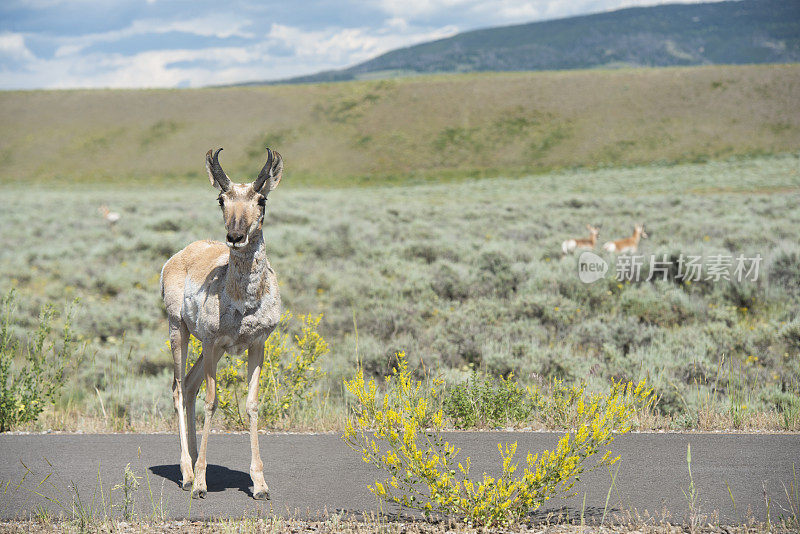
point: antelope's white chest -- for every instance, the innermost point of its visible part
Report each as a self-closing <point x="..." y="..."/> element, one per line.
<point x="248" y="325"/>
<point x="211" y="313"/>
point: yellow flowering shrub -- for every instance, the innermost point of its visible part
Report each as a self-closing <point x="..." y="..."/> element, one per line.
<point x="290" y="366"/>
<point x="288" y="376"/>
<point x="402" y="435"/>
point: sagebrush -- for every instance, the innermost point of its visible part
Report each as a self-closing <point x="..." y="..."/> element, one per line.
<point x="459" y="275"/>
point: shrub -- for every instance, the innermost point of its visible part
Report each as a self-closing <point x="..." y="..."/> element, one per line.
<point x="670" y="309"/>
<point x="482" y="401"/>
<point x="784" y="273"/>
<point x="290" y="368"/>
<point x="744" y="295"/>
<point x="25" y="393"/>
<point x="450" y="284"/>
<point x="289" y="373"/>
<point x="790" y="334"/>
<point x="422" y="469"/>
<point x="496" y="275"/>
<point x="554" y="364"/>
<point x="787" y="403"/>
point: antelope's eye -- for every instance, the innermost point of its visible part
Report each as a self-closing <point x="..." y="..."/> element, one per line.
<point x="262" y="201"/>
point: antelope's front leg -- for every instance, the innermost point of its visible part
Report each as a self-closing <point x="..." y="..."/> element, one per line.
<point x="210" y="357"/>
<point x="179" y="340"/>
<point x="255" y="359"/>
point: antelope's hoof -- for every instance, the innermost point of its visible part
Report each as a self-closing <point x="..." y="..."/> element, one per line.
<point x="187" y="485"/>
<point x="199" y="494"/>
<point x="262" y="495"/>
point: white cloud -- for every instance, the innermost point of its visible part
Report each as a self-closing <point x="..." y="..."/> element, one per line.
<point x="69" y="49"/>
<point x="415" y="8"/>
<point x="397" y="23"/>
<point x="219" y="26"/>
<point x="213" y="25"/>
<point x="482" y="14"/>
<point x="341" y="47"/>
<point x="12" y="46"/>
<point x="310" y="51"/>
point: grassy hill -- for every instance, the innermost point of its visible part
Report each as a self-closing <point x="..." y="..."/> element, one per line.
<point x="749" y="31"/>
<point x="400" y="131"/>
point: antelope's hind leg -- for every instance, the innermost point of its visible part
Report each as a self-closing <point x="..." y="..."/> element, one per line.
<point x="255" y="360"/>
<point x="179" y="341"/>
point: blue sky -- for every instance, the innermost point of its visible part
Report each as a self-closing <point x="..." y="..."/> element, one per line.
<point x="181" y="43"/>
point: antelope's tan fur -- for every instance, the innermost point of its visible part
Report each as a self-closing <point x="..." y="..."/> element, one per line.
<point x="570" y="245"/>
<point x="628" y="244"/>
<point x="226" y="295"/>
<point x="111" y="217"/>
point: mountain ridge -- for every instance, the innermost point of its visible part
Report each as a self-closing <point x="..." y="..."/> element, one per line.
<point x="732" y="32"/>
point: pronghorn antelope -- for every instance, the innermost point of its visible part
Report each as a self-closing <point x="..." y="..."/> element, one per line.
<point x="111" y="217"/>
<point x="571" y="244"/>
<point x="226" y="295"/>
<point x="628" y="244"/>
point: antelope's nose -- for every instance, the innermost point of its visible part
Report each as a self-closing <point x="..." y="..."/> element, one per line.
<point x="235" y="238"/>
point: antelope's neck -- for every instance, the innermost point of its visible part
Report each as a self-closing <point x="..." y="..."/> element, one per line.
<point x="247" y="278"/>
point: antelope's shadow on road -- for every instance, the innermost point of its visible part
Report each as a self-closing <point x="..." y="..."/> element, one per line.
<point x="218" y="478"/>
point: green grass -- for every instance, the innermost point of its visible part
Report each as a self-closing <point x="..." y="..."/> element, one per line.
<point x="424" y="129"/>
<point x="458" y="275"/>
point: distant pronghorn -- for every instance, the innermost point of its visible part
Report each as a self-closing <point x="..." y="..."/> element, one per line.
<point x="628" y="244"/>
<point x="571" y="244"/>
<point x="111" y="217"/>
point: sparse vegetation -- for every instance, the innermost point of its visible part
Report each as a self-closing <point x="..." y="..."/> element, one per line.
<point x="342" y="523"/>
<point x="31" y="376"/>
<point x="128" y="488"/>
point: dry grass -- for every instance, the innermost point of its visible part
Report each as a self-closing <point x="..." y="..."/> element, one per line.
<point x="709" y="419"/>
<point x="77" y="419"/>
<point x="416" y="129"/>
<point x="339" y="523"/>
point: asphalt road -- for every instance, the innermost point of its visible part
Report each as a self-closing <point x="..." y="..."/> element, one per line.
<point x="313" y="474"/>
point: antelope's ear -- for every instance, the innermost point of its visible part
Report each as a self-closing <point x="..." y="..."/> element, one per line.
<point x="211" y="179"/>
<point x="216" y="175"/>
<point x="270" y="176"/>
<point x="276" y="172"/>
